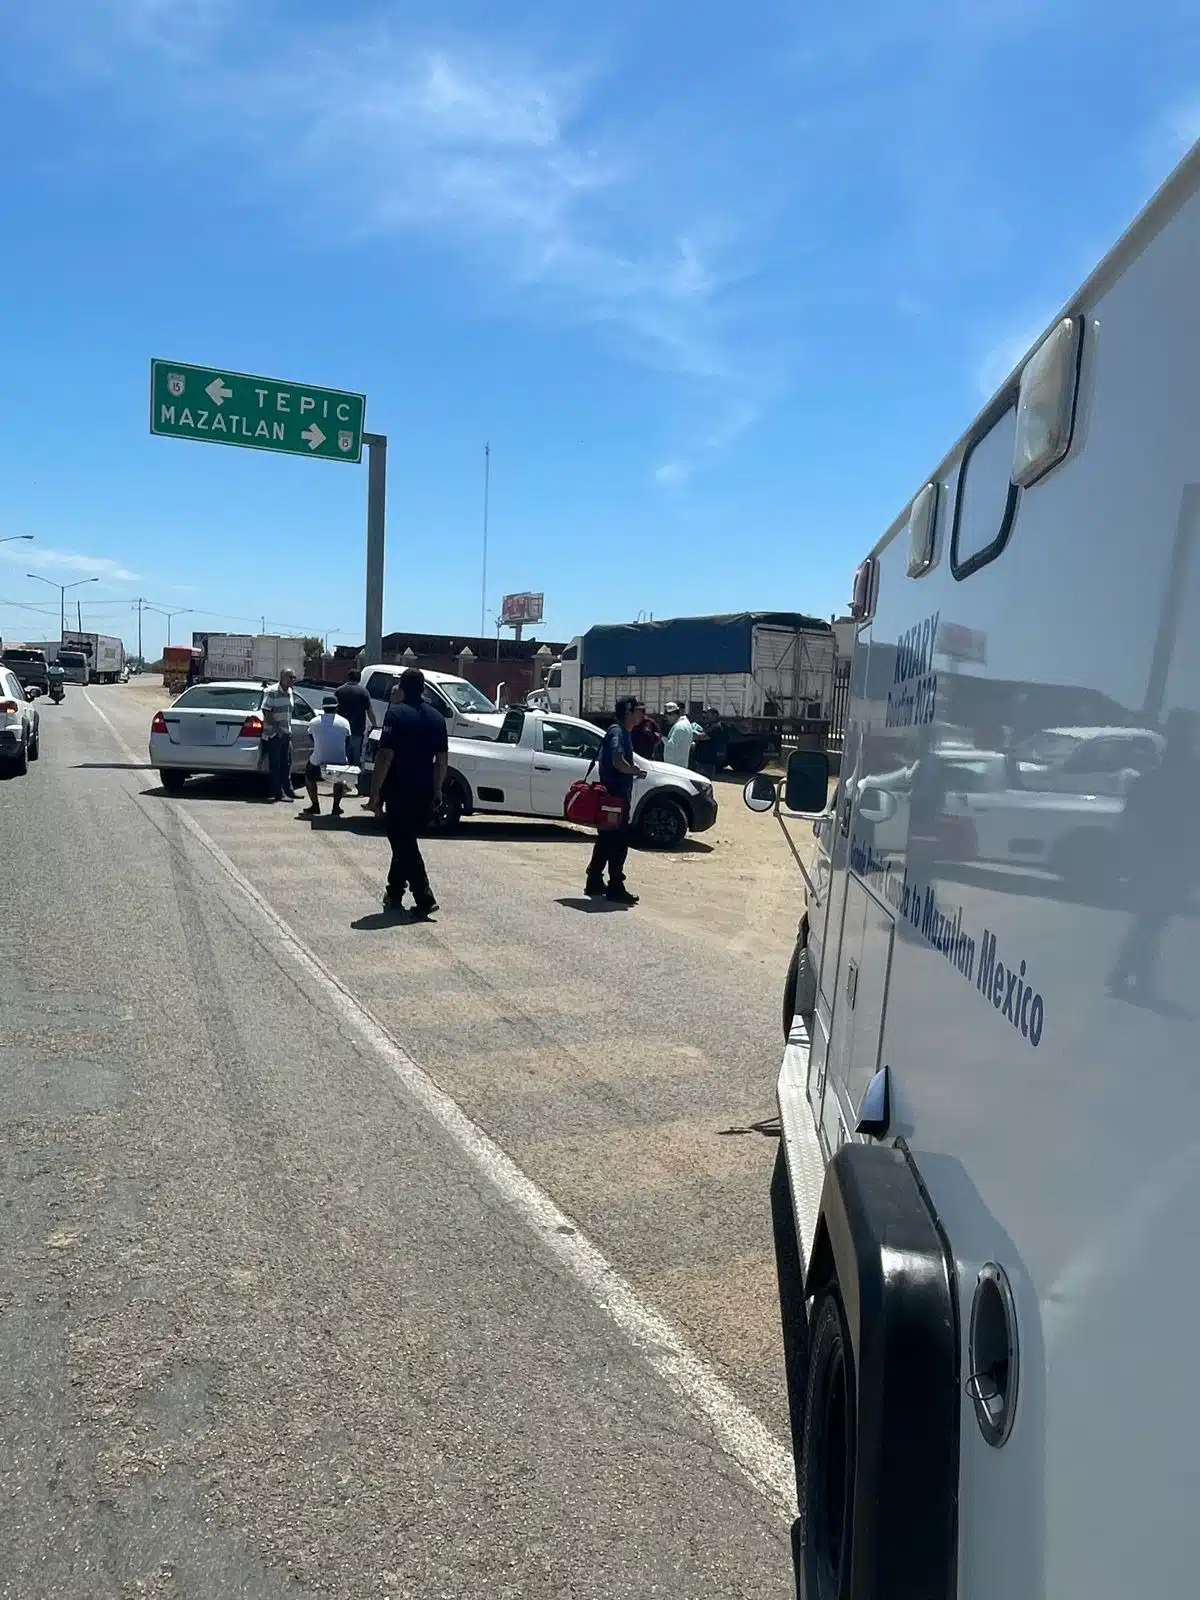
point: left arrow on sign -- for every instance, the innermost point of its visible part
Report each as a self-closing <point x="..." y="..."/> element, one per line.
<point x="314" y="436"/>
<point x="218" y="391"/>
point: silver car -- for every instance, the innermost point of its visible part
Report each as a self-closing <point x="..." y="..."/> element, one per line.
<point x="215" y="729"/>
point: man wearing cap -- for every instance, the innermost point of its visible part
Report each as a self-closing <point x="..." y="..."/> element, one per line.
<point x="278" y="703"/>
<point x="331" y="748"/>
<point x="681" y="734"/>
<point x="618" y="770"/>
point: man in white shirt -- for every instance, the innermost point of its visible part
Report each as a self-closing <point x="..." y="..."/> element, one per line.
<point x="331" y="748"/>
<point x="681" y="731"/>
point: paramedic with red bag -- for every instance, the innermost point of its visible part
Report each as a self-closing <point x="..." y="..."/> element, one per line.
<point x="617" y="773"/>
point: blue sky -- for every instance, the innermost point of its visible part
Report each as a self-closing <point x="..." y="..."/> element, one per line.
<point x="718" y="283"/>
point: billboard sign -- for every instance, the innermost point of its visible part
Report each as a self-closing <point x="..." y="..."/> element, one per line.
<point x="516" y="608"/>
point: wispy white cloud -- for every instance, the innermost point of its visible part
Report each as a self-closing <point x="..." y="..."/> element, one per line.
<point x="40" y="557"/>
<point x="710" y="443"/>
<point x="497" y="151"/>
<point x="1004" y="351"/>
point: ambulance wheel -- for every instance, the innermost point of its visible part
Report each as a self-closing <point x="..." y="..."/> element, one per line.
<point x="828" y="1458"/>
<point x="799" y="989"/>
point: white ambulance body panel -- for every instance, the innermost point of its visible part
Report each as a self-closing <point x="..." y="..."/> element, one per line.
<point x="1037" y="1004"/>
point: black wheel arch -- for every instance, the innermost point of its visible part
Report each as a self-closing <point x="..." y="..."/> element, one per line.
<point x="665" y="792"/>
<point x="462" y="784"/>
<point x="878" y="1239"/>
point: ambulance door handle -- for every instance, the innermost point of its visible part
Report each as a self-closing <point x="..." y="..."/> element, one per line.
<point x="851" y="983"/>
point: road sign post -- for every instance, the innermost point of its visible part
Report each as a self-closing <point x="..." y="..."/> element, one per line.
<point x="217" y="406"/>
<point x="376" y="527"/>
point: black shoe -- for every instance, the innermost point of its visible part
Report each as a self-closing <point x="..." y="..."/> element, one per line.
<point x="620" y="895"/>
<point x="311" y="811"/>
<point x="336" y="811"/>
<point x="594" y="888"/>
<point x="290" y="794"/>
<point x="393" y="902"/>
<point x="425" y="908"/>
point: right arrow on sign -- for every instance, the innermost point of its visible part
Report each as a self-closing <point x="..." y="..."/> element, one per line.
<point x="313" y="436"/>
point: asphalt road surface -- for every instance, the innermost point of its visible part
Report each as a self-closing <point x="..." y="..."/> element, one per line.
<point x="368" y="1258"/>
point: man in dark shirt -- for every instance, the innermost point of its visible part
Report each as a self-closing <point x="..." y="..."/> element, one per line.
<point x="617" y="773"/>
<point x="647" y="738"/>
<point x="354" y="703"/>
<point x="410" y="769"/>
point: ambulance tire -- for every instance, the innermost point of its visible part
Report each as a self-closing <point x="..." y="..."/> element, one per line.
<point x="799" y="989"/>
<point x="828" y="1458"/>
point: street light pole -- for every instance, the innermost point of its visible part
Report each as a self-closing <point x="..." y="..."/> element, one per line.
<point x="62" y="594"/>
<point x="10" y="538"/>
<point x="182" y="611"/>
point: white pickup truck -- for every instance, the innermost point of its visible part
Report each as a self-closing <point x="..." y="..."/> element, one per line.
<point x="528" y="768"/>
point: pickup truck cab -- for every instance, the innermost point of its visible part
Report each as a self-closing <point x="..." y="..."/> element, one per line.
<point x="28" y="665"/>
<point x="532" y="763"/>
<point x="468" y="712"/>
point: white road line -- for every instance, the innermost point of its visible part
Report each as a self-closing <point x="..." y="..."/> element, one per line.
<point x="737" y="1430"/>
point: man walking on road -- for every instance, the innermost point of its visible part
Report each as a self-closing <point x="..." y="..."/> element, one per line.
<point x="331" y="748"/>
<point x="410" y="769"/>
<point x="277" y="706"/>
<point x="354" y="703"/>
<point x="617" y="773"/>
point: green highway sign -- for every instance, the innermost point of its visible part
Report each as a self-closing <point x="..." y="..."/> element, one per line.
<point x="223" y="407"/>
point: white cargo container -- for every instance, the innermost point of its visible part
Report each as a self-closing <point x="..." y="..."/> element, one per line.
<point x="986" y="1200"/>
<point x="248" y="655"/>
<point x="105" y="653"/>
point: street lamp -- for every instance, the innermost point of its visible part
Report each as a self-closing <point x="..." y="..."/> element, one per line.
<point x="182" y="611"/>
<point x="9" y="537"/>
<point x="62" y="594"/>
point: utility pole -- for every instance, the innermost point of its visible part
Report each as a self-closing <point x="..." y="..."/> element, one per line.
<point x="487" y="484"/>
<point x="141" y="602"/>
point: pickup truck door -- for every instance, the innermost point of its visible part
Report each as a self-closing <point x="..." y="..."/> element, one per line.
<point x="562" y="756"/>
<point x="499" y="769"/>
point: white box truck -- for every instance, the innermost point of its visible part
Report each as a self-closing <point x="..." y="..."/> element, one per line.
<point x="105" y="654"/>
<point x="989" y="1177"/>
<point x="767" y="676"/>
<point x="259" y="656"/>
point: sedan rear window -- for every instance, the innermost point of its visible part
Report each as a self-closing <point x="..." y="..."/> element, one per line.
<point x="212" y="697"/>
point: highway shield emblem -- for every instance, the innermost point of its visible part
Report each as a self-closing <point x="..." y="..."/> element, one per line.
<point x="176" y="382"/>
<point x="345" y="439"/>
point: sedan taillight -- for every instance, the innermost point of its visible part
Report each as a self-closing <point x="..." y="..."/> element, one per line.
<point x="252" y="727"/>
<point x="159" y="725"/>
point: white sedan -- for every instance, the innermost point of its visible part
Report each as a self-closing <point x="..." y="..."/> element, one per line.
<point x="528" y="769"/>
<point x="215" y="729"/>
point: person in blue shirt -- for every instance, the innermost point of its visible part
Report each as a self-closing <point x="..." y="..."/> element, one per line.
<point x="618" y="770"/>
<point x="410" y="770"/>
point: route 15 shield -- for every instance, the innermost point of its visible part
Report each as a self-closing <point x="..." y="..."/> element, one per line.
<point x="345" y="439"/>
<point x="176" y="383"/>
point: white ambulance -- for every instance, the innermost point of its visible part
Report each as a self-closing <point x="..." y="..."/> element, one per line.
<point x="987" y="1204"/>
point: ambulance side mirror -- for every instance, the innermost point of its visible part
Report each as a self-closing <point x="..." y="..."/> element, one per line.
<point x="806" y="787"/>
